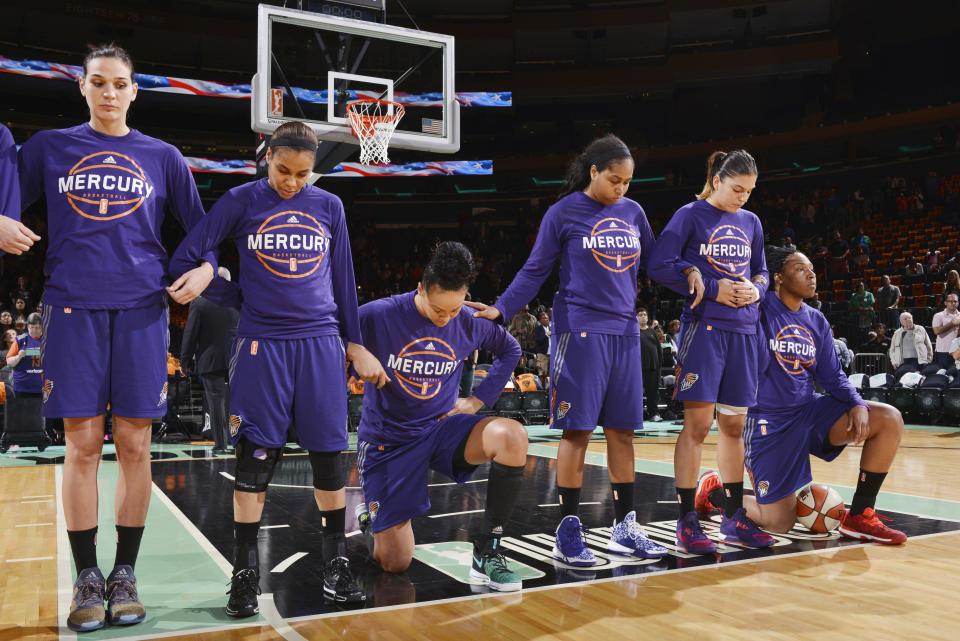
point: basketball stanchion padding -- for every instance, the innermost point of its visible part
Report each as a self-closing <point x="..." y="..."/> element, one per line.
<point x="373" y="123"/>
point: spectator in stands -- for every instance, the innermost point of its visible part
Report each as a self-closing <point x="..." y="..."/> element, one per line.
<point x="839" y="253"/>
<point x="910" y="347"/>
<point x="872" y="346"/>
<point x="24" y="357"/>
<point x="787" y="243"/>
<point x="881" y="330"/>
<point x="888" y="299"/>
<point x="861" y="306"/>
<point x="541" y="340"/>
<point x="6" y="372"/>
<point x="651" y="357"/>
<point x="648" y="296"/>
<point x="208" y="336"/>
<point x="22" y="290"/>
<point x="672" y="336"/>
<point x="818" y="255"/>
<point x="20" y="314"/>
<point x="815" y="301"/>
<point x="945" y="324"/>
<point x="843" y="352"/>
<point x="521" y="328"/>
<point x="914" y="269"/>
<point x="953" y="282"/>
<point x="6" y="321"/>
<point x="860" y="258"/>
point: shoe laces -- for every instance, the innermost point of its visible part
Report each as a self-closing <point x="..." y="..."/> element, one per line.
<point x="577" y="535"/>
<point x="244" y="584"/>
<point x="341" y="567"/>
<point x="89" y="594"/>
<point x="122" y="589"/>
<point x="497" y="560"/>
<point x="635" y="531"/>
<point x="870" y="516"/>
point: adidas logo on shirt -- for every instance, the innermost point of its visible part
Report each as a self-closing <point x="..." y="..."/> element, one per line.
<point x="293" y="219"/>
<point x="109" y="160"/>
<point x="613" y="225"/>
<point x="431" y="347"/>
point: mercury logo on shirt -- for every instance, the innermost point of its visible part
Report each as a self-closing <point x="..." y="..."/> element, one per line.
<point x="795" y="349"/>
<point x="614" y="244"/>
<point x="728" y="250"/>
<point x="290" y="244"/>
<point x="105" y="186"/>
<point x="421" y="366"/>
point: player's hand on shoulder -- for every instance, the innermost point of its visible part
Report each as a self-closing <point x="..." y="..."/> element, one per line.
<point x="15" y="237"/>
<point x="470" y="405"/>
<point x="191" y="284"/>
<point x="366" y="365"/>
<point x="483" y="311"/>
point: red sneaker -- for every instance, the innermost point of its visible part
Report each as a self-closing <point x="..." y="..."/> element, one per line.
<point x="709" y="481"/>
<point x="867" y="527"/>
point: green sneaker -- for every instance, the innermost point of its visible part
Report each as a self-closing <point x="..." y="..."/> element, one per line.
<point x="86" y="609"/>
<point x="490" y="568"/>
<point x="123" y="604"/>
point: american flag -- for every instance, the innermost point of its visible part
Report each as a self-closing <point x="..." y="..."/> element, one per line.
<point x="431" y="125"/>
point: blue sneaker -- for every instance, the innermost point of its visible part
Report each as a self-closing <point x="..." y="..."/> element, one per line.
<point x="628" y="537"/>
<point x="86" y="609"/>
<point x="571" y="545"/>
<point x="690" y="535"/>
<point x="740" y="530"/>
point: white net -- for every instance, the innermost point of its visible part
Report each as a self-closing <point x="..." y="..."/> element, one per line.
<point x="373" y="123"/>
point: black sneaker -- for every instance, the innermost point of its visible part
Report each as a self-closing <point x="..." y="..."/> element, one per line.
<point x="244" y="588"/>
<point x="339" y="584"/>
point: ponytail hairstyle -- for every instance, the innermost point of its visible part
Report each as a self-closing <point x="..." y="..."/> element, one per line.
<point x="726" y="165"/>
<point x="108" y="50"/>
<point x="451" y="267"/>
<point x="600" y="153"/>
<point x="294" y="135"/>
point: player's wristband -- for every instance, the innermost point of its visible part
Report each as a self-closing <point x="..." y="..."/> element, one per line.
<point x="863" y="405"/>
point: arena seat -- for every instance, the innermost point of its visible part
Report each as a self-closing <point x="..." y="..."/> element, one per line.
<point x="527" y="382"/>
<point x="354" y="409"/>
<point x="509" y="405"/>
<point x="535" y="407"/>
<point x="875" y="394"/>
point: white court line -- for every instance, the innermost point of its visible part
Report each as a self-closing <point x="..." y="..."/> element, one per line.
<point x="666" y="502"/>
<point x="39" y="496"/>
<point x="64" y="573"/>
<point x="33" y="524"/>
<point x="581" y="503"/>
<point x="268" y="610"/>
<point x="271" y="527"/>
<point x="437" y="516"/>
<point x="287" y="562"/>
<point x="560" y="586"/>
<point x="197" y="535"/>
<point x="28" y="559"/>
<point x="39" y="501"/>
<point x="445" y="484"/>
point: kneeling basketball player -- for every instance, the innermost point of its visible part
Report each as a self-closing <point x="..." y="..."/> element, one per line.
<point x="416" y="423"/>
<point x="791" y="421"/>
<point x="299" y="309"/>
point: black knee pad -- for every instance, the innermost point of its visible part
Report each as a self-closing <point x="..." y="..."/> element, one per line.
<point x="327" y="471"/>
<point x="255" y="466"/>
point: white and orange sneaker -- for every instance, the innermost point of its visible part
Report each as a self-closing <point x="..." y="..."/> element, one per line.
<point x="868" y="527"/>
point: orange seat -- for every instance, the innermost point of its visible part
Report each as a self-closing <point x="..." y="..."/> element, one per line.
<point x="918" y="289"/>
<point x="939" y="287"/>
<point x="356" y="387"/>
<point x="527" y="383"/>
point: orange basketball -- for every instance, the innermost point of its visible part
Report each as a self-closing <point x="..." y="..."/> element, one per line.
<point x="820" y="508"/>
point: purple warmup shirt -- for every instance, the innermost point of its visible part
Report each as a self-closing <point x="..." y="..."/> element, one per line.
<point x="9" y="189"/>
<point x="423" y="362"/>
<point x="106" y="201"/>
<point x="295" y="262"/>
<point x="797" y="348"/>
<point x="600" y="248"/>
<point x="720" y="245"/>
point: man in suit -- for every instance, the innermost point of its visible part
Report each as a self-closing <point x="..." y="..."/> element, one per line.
<point x="208" y="336"/>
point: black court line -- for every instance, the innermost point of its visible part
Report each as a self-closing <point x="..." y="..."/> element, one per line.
<point x="205" y="497"/>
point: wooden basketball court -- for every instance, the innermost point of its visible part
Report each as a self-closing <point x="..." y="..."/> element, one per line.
<point x="818" y="590"/>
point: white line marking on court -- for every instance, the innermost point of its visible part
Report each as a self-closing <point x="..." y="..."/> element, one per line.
<point x="581" y="584"/>
<point x="287" y="562"/>
<point x="665" y="502"/>
<point x="271" y="527"/>
<point x="437" y="516"/>
<point x="39" y="501"/>
<point x="64" y="574"/>
<point x="581" y="503"/>
<point x="28" y="559"/>
<point x="445" y="484"/>
<point x="33" y="524"/>
<point x="198" y="536"/>
<point x="268" y="610"/>
<point x="38" y="496"/>
<point x="195" y="633"/>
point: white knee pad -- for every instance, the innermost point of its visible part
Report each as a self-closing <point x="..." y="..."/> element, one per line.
<point x="731" y="410"/>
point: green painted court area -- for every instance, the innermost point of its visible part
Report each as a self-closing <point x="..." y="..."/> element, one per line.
<point x="453" y="558"/>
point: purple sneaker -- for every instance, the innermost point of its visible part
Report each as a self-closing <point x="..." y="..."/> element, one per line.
<point x="690" y="536"/>
<point x="740" y="530"/>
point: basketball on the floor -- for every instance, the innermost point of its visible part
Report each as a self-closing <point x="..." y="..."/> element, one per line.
<point x="819" y="508"/>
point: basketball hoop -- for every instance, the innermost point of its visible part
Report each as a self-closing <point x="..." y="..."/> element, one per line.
<point x="373" y="122"/>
